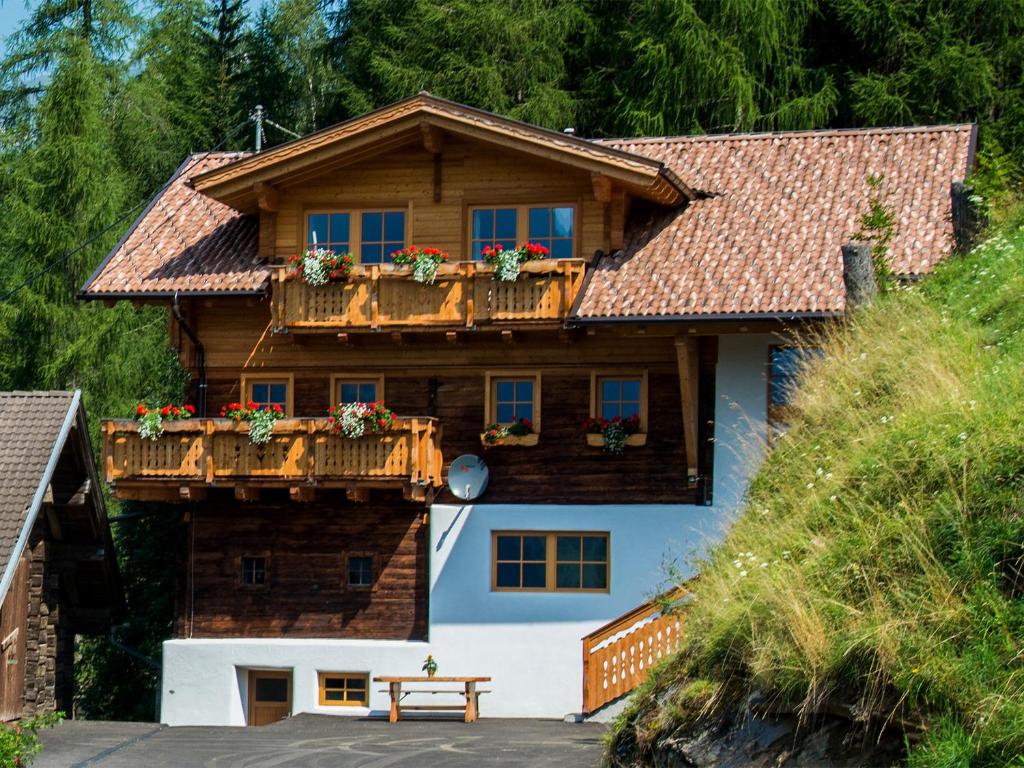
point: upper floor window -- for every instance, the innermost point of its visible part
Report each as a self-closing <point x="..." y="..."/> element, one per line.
<point x="492" y="226"/>
<point x="269" y="391"/>
<point x="254" y="571"/>
<point x="357" y="389"/>
<point x="619" y="395"/>
<point x="552" y="228"/>
<point x="330" y="231"/>
<point x="359" y="570"/>
<point x="785" y="364"/>
<point x="382" y="233"/>
<point x="541" y="561"/>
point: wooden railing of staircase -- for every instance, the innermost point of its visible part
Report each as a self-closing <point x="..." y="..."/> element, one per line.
<point x="620" y="655"/>
<point x="464" y="295"/>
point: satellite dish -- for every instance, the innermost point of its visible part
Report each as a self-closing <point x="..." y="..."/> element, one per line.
<point x="467" y="477"/>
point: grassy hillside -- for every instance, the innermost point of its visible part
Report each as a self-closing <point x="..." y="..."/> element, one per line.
<point x="878" y="569"/>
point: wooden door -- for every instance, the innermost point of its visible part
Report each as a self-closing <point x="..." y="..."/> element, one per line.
<point x="270" y="696"/>
<point x="13" y="616"/>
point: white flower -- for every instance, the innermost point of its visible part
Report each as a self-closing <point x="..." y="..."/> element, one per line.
<point x="743" y="573"/>
<point x="962" y="436"/>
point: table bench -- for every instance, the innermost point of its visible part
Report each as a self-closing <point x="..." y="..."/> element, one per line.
<point x="470" y="707"/>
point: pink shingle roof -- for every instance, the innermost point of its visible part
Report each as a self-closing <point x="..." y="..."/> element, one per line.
<point x="781" y="205"/>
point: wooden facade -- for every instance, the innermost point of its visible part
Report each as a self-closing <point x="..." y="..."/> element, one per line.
<point x="305" y="547"/>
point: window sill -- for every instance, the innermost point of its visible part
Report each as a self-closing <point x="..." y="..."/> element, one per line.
<point x="527" y="441"/>
<point x="595" y="440"/>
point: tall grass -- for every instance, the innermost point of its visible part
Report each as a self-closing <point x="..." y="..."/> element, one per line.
<point x="879" y="564"/>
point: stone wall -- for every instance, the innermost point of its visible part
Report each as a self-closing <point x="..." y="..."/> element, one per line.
<point x="49" y="648"/>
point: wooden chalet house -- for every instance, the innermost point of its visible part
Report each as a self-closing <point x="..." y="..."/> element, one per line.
<point x="676" y="269"/>
<point x="58" y="573"/>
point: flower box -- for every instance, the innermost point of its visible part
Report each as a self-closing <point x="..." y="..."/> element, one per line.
<point x="523" y="440"/>
<point x="636" y="440"/>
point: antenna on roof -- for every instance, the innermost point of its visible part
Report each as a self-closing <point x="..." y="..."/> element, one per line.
<point x="257" y="117"/>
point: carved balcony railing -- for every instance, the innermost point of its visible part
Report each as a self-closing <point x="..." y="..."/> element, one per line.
<point x="465" y="295"/>
<point x="303" y="455"/>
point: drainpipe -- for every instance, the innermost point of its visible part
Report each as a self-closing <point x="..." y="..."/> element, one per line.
<point x="200" y="354"/>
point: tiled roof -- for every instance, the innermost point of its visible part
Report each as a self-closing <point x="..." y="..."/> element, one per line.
<point x="30" y="423"/>
<point x="768" y="238"/>
<point x="184" y="241"/>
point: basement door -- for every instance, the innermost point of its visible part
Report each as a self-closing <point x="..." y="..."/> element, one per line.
<point x="270" y="696"/>
<point x="13" y="616"/>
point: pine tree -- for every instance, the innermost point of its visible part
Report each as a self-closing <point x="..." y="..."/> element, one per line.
<point x="225" y="64"/>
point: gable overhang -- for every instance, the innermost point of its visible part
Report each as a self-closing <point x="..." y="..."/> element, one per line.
<point x="239" y="184"/>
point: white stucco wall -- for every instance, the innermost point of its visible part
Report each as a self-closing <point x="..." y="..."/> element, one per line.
<point x="529" y="643"/>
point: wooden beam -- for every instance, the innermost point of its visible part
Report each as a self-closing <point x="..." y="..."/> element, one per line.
<point x="451" y="337"/>
<point x="437" y="177"/>
<point x="507" y="337"/>
<point x="360" y="495"/>
<point x="266" y="197"/>
<point x="247" y="493"/>
<point x="192" y="492"/>
<point x="54" y="523"/>
<point x="303" y="493"/>
<point x="688" y="363"/>
<point x="602" y="187"/>
<point x="433" y="138"/>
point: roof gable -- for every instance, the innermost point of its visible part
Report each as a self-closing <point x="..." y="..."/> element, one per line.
<point x="425" y="118"/>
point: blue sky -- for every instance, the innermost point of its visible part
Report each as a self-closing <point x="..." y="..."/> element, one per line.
<point x="12" y="13"/>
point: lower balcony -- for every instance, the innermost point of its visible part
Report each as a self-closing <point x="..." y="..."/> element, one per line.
<point x="303" y="455"/>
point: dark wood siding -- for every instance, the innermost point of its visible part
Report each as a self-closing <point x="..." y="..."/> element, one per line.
<point x="305" y="547"/>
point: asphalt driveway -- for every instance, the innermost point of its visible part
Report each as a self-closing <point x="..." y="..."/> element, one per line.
<point x="319" y="741"/>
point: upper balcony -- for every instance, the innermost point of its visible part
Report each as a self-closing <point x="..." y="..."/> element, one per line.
<point x="303" y="455"/>
<point x="464" y="296"/>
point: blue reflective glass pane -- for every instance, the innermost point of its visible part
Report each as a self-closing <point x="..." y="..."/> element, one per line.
<point x="507" y="575"/>
<point x="478" y="251"/>
<point x="595" y="548"/>
<point x="534" y="575"/>
<point x="394" y="227"/>
<point x="506" y="390"/>
<point x="507" y="244"/>
<point x="372" y="227"/>
<point x="568" y="577"/>
<point x="540" y="223"/>
<point x="629" y="408"/>
<point x="610" y="409"/>
<point x="562" y="222"/>
<point x="278" y="393"/>
<point x="568" y="548"/>
<point x="505" y="224"/>
<point x="611" y="389"/>
<point x="631" y="389"/>
<point x="349" y="393"/>
<point x="483" y="224"/>
<point x="261" y="393"/>
<point x="339" y="227"/>
<point x="367" y="393"/>
<point x="317" y="228"/>
<point x="371" y="254"/>
<point x="508" y="547"/>
<point x="523" y="411"/>
<point x="534" y="548"/>
<point x="524" y="390"/>
<point x="595" y="576"/>
<point x="561" y="249"/>
<point x="389" y="250"/>
<point x="506" y="413"/>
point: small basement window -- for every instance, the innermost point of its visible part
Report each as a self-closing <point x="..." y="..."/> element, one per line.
<point x="344" y="689"/>
<point x="254" y="571"/>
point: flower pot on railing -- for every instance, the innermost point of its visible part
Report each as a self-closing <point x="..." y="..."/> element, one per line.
<point x="596" y="440"/>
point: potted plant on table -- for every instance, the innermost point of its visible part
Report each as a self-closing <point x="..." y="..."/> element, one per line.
<point x="429" y="666"/>
<point x="614" y="434"/>
<point x="517" y="433"/>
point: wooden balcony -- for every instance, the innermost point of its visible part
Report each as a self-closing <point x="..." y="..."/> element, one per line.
<point x="465" y="295"/>
<point x="303" y="455"/>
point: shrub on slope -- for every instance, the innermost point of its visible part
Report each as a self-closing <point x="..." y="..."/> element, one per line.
<point x="878" y="567"/>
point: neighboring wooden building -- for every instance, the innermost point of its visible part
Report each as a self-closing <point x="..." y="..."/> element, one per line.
<point x="679" y="270"/>
<point x="59" y="575"/>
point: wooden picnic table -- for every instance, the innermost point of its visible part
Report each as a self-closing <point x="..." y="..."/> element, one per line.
<point x="470" y="707"/>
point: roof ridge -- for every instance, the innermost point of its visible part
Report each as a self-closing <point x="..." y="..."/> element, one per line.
<point x="37" y="393"/>
<point x="864" y="131"/>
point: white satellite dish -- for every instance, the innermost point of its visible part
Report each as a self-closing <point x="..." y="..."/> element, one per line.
<point x="467" y="477"/>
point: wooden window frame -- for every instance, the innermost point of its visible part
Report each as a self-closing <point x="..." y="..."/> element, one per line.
<point x="551" y="562"/>
<point x="627" y="373"/>
<point x="355" y="224"/>
<point x="240" y="570"/>
<point x="249" y="379"/>
<point x="374" y="571"/>
<point x="490" y="395"/>
<point x="522" y="222"/>
<point x="322" y="689"/>
<point x="355" y="378"/>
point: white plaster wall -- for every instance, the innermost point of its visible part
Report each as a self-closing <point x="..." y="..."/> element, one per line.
<point x="529" y="643"/>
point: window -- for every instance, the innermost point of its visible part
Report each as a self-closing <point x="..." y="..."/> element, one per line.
<point x="512" y="396"/>
<point x="360" y="570"/>
<point x="383" y="233"/>
<point x="344" y="689"/>
<point x="785" y="364"/>
<point x="492" y="226"/>
<point x="619" y="393"/>
<point x="553" y="228"/>
<point x="269" y="390"/>
<point x="357" y="389"/>
<point x="328" y="230"/>
<point x="254" y="571"/>
<point x="550" y="562"/>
